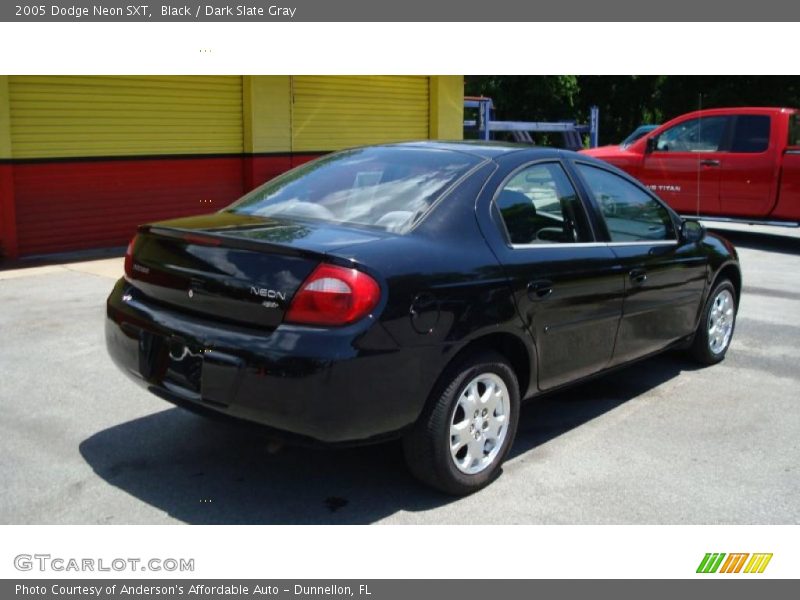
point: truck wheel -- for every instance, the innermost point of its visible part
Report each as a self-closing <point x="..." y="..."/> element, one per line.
<point x="461" y="441"/>
<point x="715" y="331"/>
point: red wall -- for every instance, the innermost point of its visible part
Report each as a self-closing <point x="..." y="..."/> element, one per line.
<point x="78" y="204"/>
<point x="8" y="228"/>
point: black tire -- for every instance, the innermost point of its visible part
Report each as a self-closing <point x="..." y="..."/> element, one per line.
<point x="701" y="350"/>
<point x="427" y="445"/>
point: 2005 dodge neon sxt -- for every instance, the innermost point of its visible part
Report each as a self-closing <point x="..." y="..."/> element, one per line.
<point x="418" y="291"/>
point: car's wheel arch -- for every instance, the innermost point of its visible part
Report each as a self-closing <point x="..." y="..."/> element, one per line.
<point x="516" y="349"/>
<point x="730" y="271"/>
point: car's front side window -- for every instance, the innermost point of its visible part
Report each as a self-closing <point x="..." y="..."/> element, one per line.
<point x="695" y="135"/>
<point x="539" y="205"/>
<point x="630" y="214"/>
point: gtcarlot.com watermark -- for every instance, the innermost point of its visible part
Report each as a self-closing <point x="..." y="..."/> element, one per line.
<point x="58" y="564"/>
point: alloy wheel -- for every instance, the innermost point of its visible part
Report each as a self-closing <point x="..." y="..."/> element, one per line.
<point x="720" y="322"/>
<point x="479" y="423"/>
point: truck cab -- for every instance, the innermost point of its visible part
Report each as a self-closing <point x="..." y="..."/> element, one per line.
<point x="739" y="164"/>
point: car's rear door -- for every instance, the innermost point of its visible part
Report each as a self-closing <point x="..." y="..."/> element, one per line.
<point x="568" y="287"/>
<point x="664" y="277"/>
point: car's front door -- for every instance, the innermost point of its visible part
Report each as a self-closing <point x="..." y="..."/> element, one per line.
<point x="664" y="277"/>
<point x="568" y="286"/>
<point x="683" y="166"/>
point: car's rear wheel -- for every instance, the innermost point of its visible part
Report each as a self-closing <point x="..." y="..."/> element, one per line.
<point x="459" y="444"/>
<point x="715" y="331"/>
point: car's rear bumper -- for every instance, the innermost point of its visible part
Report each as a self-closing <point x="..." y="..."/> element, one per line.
<point x="329" y="385"/>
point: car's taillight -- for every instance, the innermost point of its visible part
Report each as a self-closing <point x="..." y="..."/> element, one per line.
<point x="333" y="296"/>
<point x="129" y="258"/>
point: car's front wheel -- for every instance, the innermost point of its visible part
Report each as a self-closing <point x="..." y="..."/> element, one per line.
<point x="460" y="442"/>
<point x="715" y="331"/>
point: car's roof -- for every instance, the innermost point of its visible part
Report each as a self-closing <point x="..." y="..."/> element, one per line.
<point x="482" y="149"/>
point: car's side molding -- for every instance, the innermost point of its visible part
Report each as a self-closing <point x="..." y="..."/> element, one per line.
<point x="596" y="244"/>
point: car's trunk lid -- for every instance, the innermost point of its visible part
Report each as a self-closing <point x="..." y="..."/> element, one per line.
<point x="237" y="268"/>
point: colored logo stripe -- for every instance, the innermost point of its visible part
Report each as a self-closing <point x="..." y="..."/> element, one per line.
<point x="734" y="563"/>
<point x="710" y="562"/>
<point x="758" y="563"/>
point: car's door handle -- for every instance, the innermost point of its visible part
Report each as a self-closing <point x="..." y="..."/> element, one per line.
<point x="709" y="162"/>
<point x="540" y="289"/>
<point x="638" y="276"/>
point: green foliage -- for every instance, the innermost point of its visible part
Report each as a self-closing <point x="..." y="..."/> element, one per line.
<point x="627" y="101"/>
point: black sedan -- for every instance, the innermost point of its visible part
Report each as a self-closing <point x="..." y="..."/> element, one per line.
<point x="418" y="291"/>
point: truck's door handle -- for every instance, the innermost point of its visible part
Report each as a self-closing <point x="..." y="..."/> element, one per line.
<point x="638" y="276"/>
<point x="709" y="162"/>
<point x="540" y="289"/>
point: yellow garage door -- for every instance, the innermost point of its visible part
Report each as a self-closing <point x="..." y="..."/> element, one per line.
<point x="332" y="112"/>
<point x="66" y="116"/>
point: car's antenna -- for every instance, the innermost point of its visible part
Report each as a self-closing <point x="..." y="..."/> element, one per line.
<point x="699" y="139"/>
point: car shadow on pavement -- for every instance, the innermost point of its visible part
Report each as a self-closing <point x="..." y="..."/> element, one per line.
<point x="551" y="415"/>
<point x="207" y="472"/>
<point x="756" y="240"/>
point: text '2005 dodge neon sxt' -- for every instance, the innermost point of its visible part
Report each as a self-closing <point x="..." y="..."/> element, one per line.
<point x="417" y="291"/>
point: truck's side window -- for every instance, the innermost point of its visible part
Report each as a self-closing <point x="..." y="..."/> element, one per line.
<point x="794" y="130"/>
<point x="751" y="133"/>
<point x="695" y="135"/>
<point x="631" y="215"/>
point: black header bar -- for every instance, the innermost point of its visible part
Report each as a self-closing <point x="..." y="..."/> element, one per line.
<point x="402" y="11"/>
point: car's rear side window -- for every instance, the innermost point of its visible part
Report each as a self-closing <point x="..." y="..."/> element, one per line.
<point x="539" y="205"/>
<point x="751" y="133"/>
<point x="388" y="187"/>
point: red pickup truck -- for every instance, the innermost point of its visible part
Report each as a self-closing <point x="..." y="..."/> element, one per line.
<point x="728" y="164"/>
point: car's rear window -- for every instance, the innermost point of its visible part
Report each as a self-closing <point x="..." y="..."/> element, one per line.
<point x="390" y="188"/>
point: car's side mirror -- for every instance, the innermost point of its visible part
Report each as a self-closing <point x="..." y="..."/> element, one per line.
<point x="652" y="144"/>
<point x="692" y="231"/>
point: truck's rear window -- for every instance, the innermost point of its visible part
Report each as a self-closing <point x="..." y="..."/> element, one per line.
<point x="388" y="187"/>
